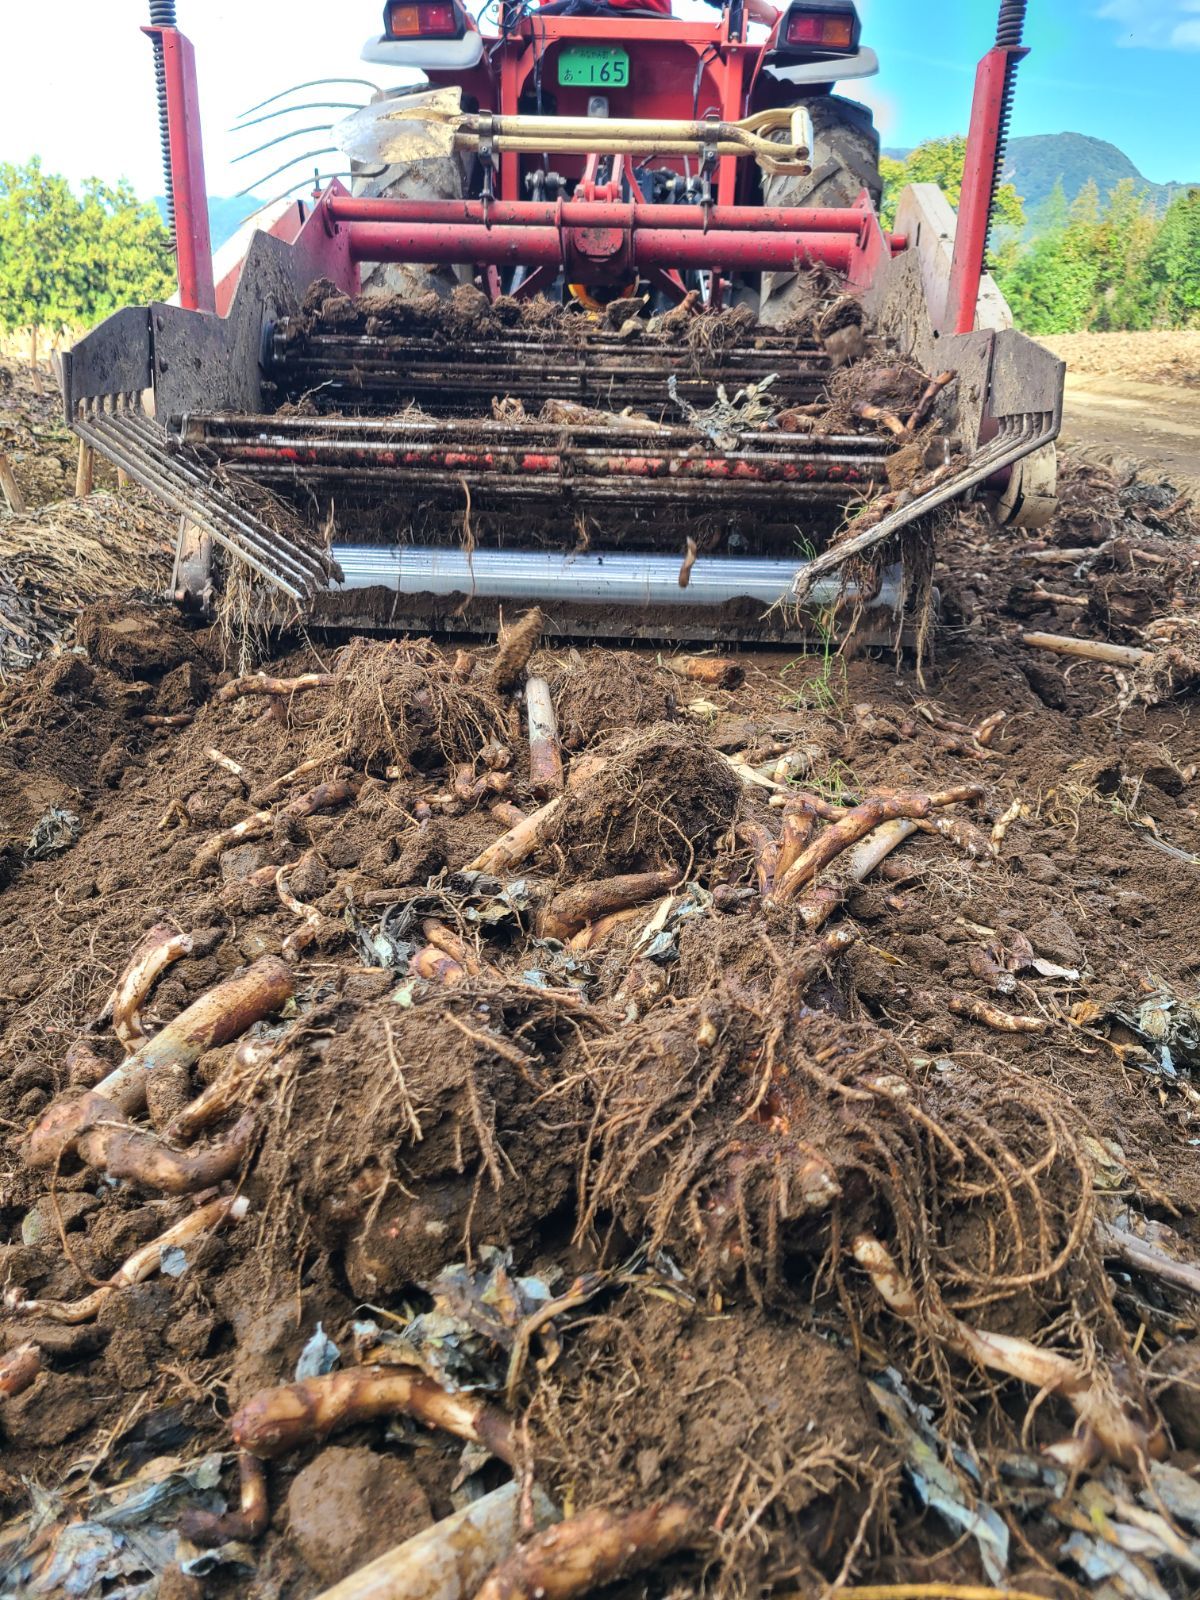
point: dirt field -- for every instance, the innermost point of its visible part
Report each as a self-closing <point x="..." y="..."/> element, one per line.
<point x="1134" y="399"/>
<point x="798" y="1235"/>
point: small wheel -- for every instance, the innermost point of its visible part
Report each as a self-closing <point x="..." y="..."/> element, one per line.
<point x="845" y="161"/>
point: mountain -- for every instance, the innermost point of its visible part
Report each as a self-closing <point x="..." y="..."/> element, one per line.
<point x="1037" y="161"/>
<point x="225" y="214"/>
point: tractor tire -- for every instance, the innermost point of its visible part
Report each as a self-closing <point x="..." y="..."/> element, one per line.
<point x="845" y="161"/>
<point x="440" y="179"/>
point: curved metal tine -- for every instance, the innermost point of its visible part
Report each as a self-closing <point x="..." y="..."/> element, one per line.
<point x="306" y="105"/>
<point x="327" y="150"/>
<point x="292" y="133"/>
<point x="317" y="177"/>
<point x="311" y="83"/>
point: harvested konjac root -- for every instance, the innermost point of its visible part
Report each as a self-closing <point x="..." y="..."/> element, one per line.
<point x="159" y="947"/>
<point x="142" y="1158"/>
<point x="19" y="1368"/>
<point x="142" y="1264"/>
<point x="209" y="1528"/>
<point x="321" y="798"/>
<point x="1118" y="1427"/>
<point x="860" y="861"/>
<point x="278" y="1420"/>
<point x="859" y="820"/>
<point x="217" y="1017"/>
<point x="718" y="672"/>
<point x="260" y="683"/>
<point x="222" y="1095"/>
<point x="545" y="757"/>
<point x="569" y="912"/>
<point x="517" y="644"/>
<point x="594" y="1548"/>
<point x="520" y="841"/>
<point x="993" y="1017"/>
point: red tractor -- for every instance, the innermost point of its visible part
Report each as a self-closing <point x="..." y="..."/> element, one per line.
<point x="592" y="60"/>
<point x="620" y="170"/>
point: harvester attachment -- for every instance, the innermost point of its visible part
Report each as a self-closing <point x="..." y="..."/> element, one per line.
<point x="382" y="463"/>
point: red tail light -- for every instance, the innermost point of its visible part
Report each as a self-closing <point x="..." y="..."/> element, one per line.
<point x="821" y="30"/>
<point x="423" y="19"/>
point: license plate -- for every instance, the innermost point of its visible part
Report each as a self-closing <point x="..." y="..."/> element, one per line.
<point x="594" y="66"/>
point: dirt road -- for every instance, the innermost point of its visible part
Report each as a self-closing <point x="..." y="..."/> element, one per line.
<point x="1135" y="397"/>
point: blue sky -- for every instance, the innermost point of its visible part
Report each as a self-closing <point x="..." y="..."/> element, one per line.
<point x="1124" y="70"/>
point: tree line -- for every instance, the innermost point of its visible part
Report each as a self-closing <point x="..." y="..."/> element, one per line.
<point x="67" y="259"/>
<point x="1101" y="263"/>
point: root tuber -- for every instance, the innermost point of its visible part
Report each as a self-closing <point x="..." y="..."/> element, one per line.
<point x="452" y="1558"/>
<point x="142" y="1264"/>
<point x="260" y="683"/>
<point x="124" y="1152"/>
<point x="1143" y="1257"/>
<point x="766" y="853"/>
<point x="585" y="903"/>
<point x="718" y="672"/>
<point x="925" y="404"/>
<point x="216" y="1018"/>
<point x="269" y="790"/>
<point x="993" y="1017"/>
<point x="862" y="859"/>
<point x="224" y="1093"/>
<point x="591" y="1549"/>
<point x="545" y="757"/>
<point x="278" y="1420"/>
<point x="520" y="841"/>
<point x="251" y="827"/>
<point x="248" y="1522"/>
<point x="435" y="966"/>
<point x="874" y="413"/>
<point x="311" y="920"/>
<point x="158" y="948"/>
<point x="1117" y="1427"/>
<point x="517" y="644"/>
<point x="19" y="1368"/>
<point x="858" y="821"/>
<point x="592" y="933"/>
<point x="1118" y="655"/>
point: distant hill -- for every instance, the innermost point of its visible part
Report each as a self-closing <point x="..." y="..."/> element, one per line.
<point x="1037" y="161"/>
<point x="225" y="214"/>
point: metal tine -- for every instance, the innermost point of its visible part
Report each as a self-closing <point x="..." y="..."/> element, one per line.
<point x="311" y="83"/>
<point x="327" y="150"/>
<point x="316" y="178"/>
<point x="292" y="133"/>
<point x="306" y="105"/>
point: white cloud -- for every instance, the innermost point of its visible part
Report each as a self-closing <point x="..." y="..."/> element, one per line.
<point x="1155" y="24"/>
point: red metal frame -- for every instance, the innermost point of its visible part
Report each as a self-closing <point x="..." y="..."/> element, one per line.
<point x="601" y="236"/>
<point x="193" y="246"/>
<point x="979" y="180"/>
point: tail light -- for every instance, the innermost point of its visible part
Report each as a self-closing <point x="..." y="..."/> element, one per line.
<point x="821" y="29"/>
<point x="423" y="19"/>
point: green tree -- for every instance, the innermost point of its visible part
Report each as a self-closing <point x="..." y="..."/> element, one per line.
<point x="67" y="260"/>
<point x="1173" y="266"/>
<point x="941" y="161"/>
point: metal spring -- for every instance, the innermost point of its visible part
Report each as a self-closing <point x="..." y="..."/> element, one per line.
<point x="1009" y="31"/>
<point x="162" y="15"/>
<point x="1011" y="23"/>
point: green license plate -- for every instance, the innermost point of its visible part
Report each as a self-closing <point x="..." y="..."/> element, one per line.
<point x="594" y="66"/>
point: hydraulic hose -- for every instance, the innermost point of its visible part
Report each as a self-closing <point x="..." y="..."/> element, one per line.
<point x="162" y="15"/>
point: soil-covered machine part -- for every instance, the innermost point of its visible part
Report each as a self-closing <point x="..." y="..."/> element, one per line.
<point x="385" y="460"/>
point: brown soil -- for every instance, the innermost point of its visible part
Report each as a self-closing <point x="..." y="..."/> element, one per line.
<point x="682" y="1129"/>
<point x="1132" y="401"/>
